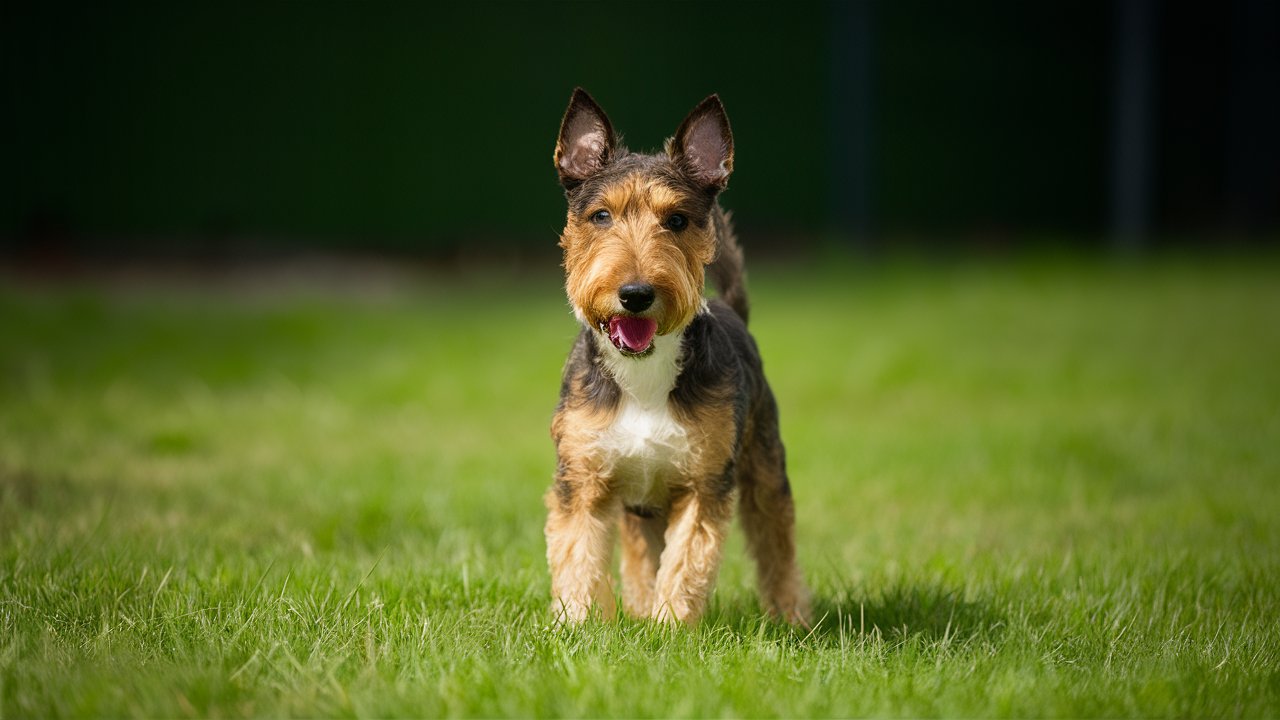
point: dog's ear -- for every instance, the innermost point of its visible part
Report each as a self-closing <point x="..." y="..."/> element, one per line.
<point x="586" y="140"/>
<point x="703" y="146"/>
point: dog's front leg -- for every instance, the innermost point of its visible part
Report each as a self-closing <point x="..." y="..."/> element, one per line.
<point x="691" y="559"/>
<point x="580" y="536"/>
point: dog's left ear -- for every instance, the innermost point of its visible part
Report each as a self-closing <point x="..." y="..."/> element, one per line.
<point x="703" y="146"/>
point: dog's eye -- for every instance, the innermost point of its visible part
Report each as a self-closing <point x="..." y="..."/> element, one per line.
<point x="601" y="217"/>
<point x="676" y="222"/>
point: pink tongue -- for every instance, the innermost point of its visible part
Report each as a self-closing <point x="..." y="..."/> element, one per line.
<point x="632" y="332"/>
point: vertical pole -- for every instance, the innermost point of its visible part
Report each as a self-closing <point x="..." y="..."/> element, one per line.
<point x="1131" y="126"/>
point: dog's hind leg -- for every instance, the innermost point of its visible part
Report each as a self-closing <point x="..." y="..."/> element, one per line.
<point x="642" y="545"/>
<point x="768" y="518"/>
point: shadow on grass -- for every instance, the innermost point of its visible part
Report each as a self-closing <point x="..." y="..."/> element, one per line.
<point x="929" y="613"/>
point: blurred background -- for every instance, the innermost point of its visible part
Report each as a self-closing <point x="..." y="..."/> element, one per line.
<point x="229" y="131"/>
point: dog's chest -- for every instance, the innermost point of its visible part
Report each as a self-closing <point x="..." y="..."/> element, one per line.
<point x="645" y="445"/>
<point x="647" y="449"/>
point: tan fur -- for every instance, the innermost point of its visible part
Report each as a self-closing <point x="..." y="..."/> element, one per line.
<point x="636" y="247"/>
<point x="711" y="428"/>
<point x="768" y="521"/>
<point x="580" y="531"/>
<point x="579" y="549"/>
<point x="691" y="560"/>
<point x="643" y="540"/>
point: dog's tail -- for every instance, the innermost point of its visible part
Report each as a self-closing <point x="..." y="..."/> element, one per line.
<point x="727" y="272"/>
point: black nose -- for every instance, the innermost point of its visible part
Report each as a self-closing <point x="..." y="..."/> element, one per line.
<point x="636" y="297"/>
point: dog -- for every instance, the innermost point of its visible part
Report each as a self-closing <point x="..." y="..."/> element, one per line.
<point x="664" y="414"/>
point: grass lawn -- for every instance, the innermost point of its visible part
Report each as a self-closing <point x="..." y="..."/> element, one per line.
<point x="1024" y="489"/>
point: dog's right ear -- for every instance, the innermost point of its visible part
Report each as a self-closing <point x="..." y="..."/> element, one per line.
<point x="586" y="140"/>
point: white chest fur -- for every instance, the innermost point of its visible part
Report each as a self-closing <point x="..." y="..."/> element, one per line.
<point x="645" y="446"/>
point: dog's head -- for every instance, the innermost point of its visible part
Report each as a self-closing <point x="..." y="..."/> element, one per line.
<point x="640" y="228"/>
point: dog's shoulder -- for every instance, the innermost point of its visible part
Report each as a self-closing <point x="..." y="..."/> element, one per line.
<point x="720" y="359"/>
<point x="583" y="380"/>
<point x="718" y="339"/>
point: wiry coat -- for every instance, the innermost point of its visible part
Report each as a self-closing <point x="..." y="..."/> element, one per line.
<point x="655" y="441"/>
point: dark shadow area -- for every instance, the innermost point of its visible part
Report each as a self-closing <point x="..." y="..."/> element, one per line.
<point x="931" y="613"/>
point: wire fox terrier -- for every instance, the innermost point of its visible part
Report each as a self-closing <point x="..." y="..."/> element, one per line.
<point x="664" y="410"/>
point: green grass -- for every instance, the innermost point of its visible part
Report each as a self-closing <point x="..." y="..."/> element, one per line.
<point x="1024" y="489"/>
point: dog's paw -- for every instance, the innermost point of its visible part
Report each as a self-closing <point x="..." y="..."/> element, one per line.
<point x="798" y="616"/>
<point x="674" y="613"/>
<point x="795" y="612"/>
<point x="565" y="613"/>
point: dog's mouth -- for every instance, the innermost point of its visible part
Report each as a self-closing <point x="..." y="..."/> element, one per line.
<point x="631" y="335"/>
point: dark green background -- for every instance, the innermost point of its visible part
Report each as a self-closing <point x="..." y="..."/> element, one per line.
<point x="409" y="126"/>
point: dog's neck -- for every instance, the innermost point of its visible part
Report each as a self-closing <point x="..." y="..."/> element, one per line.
<point x="646" y="380"/>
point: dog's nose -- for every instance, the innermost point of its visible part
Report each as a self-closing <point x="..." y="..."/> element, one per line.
<point x="636" y="297"/>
